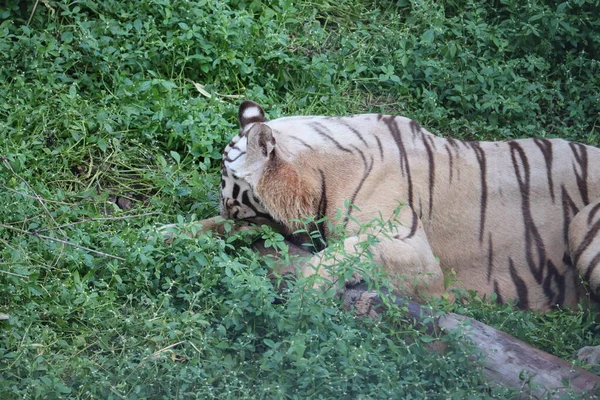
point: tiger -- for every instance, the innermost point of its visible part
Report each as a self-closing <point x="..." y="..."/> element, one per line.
<point x="516" y="219"/>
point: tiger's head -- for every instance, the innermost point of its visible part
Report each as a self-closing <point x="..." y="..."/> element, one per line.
<point x="260" y="182"/>
<point x="237" y="198"/>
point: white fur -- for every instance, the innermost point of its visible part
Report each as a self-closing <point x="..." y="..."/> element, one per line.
<point x="237" y="166"/>
<point x="251" y="112"/>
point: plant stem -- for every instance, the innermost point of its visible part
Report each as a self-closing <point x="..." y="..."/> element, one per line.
<point x="12" y="228"/>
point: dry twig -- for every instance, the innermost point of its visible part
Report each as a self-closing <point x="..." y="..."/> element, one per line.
<point x="12" y="228"/>
<point x="158" y="352"/>
<point x="13" y="274"/>
<point x="48" y="6"/>
<point x="97" y="220"/>
<point x="37" y="196"/>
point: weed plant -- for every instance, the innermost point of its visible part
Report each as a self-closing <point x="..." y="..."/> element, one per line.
<point x="113" y="116"/>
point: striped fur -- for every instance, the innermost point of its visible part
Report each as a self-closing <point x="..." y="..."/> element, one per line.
<point x="518" y="218"/>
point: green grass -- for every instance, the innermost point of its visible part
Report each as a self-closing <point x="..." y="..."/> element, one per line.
<point x="99" y="102"/>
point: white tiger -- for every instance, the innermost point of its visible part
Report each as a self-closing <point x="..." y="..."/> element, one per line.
<point x="518" y="218"/>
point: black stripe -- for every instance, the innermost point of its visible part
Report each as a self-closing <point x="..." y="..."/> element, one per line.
<point x="593" y="212"/>
<point x="367" y="168"/>
<point x="490" y="258"/>
<point x="415" y="128"/>
<point x="497" y="291"/>
<point x="321" y="130"/>
<point x="452" y="142"/>
<point x="591" y="268"/>
<point x="246" y="201"/>
<point x="570" y="209"/>
<point x="404" y="165"/>
<point x="431" y="163"/>
<point x="246" y="121"/>
<point x="361" y="154"/>
<point x="379" y="146"/>
<point x="520" y="286"/>
<point x="481" y="160"/>
<point x="322" y="211"/>
<point x="580" y="153"/>
<point x="589" y="237"/>
<point x="431" y="139"/>
<point x="355" y="131"/>
<point x="567" y="261"/>
<point x="545" y="147"/>
<point x="301" y="141"/>
<point x="556" y="278"/>
<point x="414" y="225"/>
<point x="236" y="190"/>
<point x="234" y="159"/>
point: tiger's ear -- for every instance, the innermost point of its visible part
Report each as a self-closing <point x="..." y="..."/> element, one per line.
<point x="260" y="141"/>
<point x="250" y="112"/>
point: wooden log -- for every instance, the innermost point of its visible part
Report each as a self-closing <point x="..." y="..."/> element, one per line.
<point x="507" y="360"/>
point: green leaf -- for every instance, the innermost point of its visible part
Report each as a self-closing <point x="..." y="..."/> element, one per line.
<point x="561" y="7"/>
<point x="73" y="91"/>
<point x="536" y="17"/>
<point x="137" y="24"/>
<point x="427" y="339"/>
<point x="428" y="36"/>
<point x="102" y="145"/>
<point x="67" y="37"/>
<point x="452" y="50"/>
<point x="167" y="84"/>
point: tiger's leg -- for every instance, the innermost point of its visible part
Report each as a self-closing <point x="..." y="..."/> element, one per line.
<point x="584" y="245"/>
<point x="403" y="251"/>
<point x="217" y="225"/>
